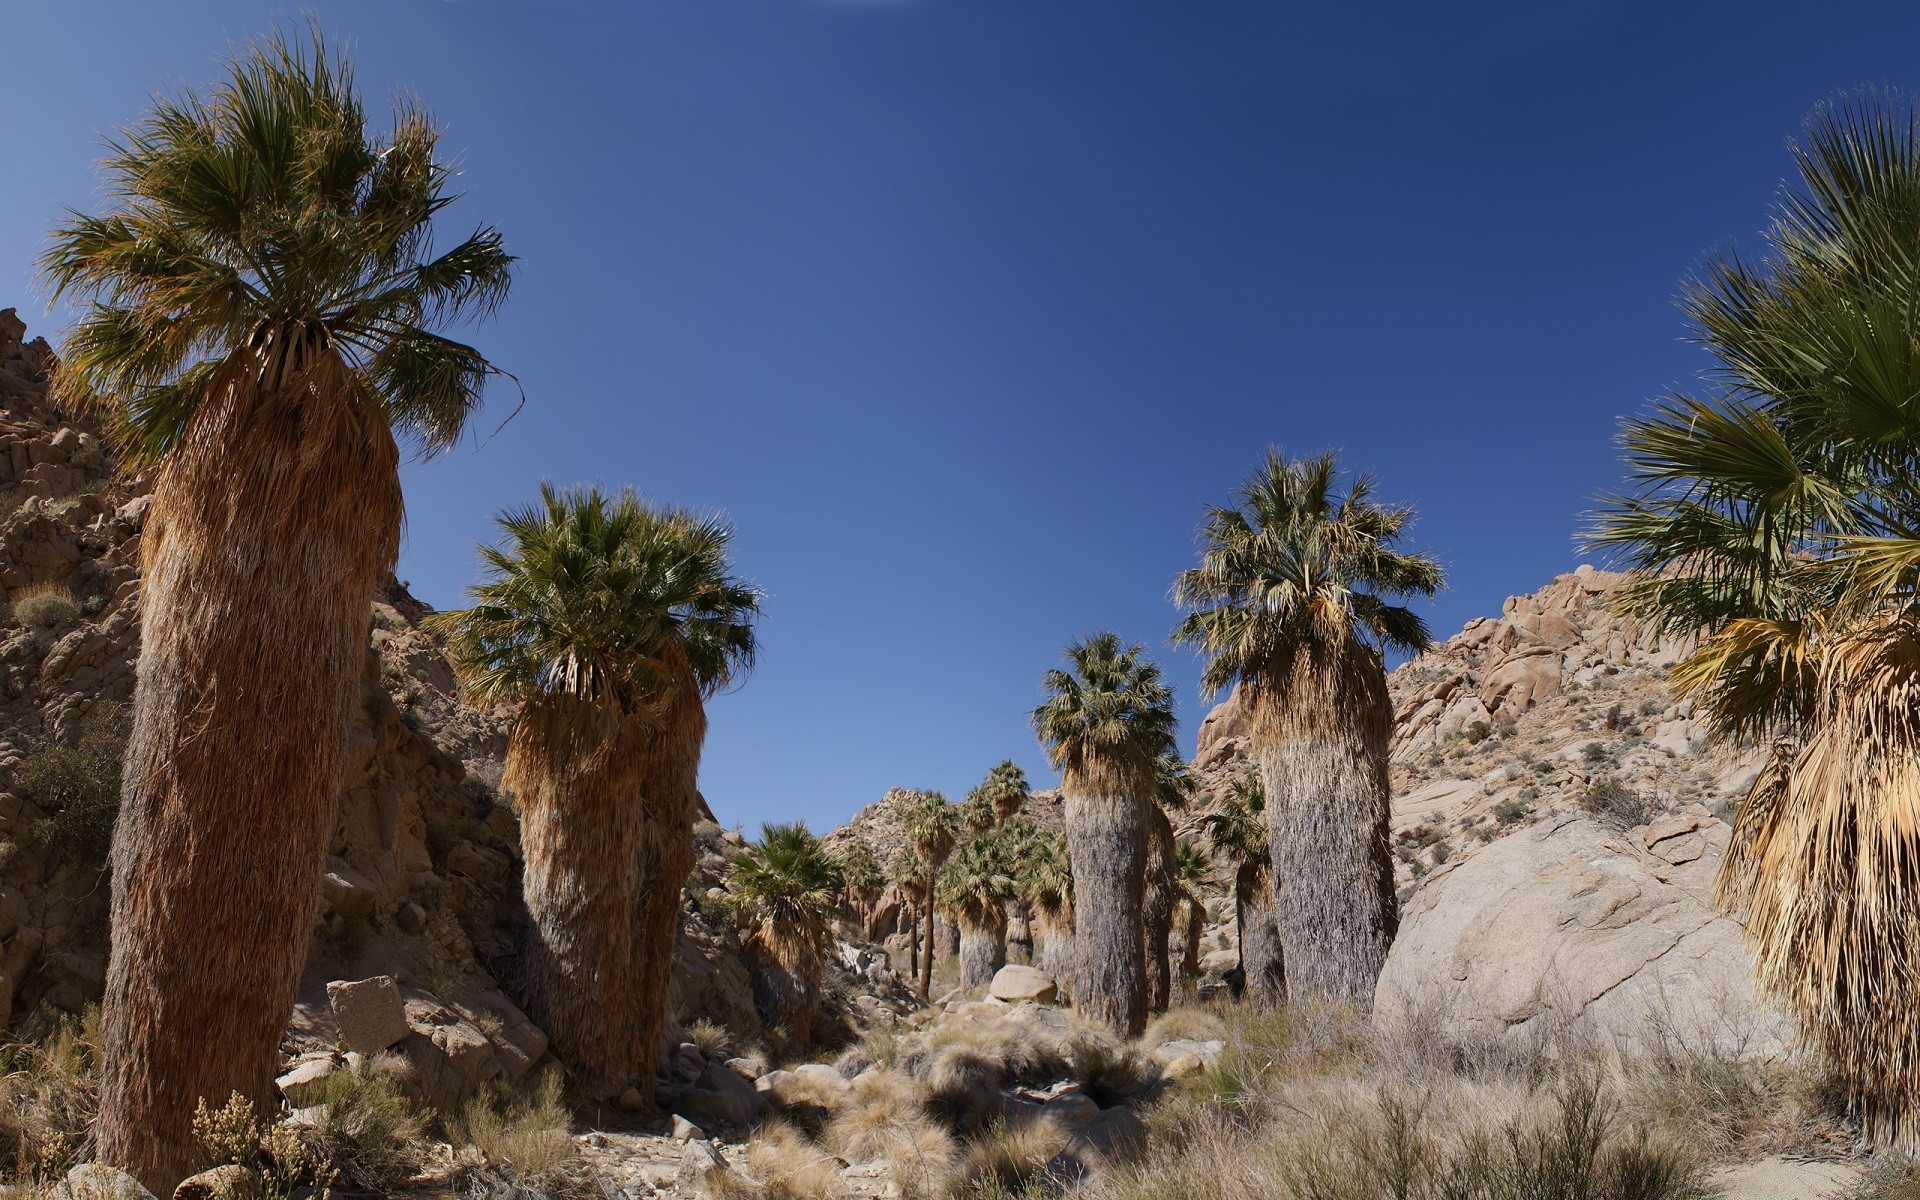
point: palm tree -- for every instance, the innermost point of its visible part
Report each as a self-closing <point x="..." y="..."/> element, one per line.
<point x="1192" y="869"/>
<point x="263" y="313"/>
<point x="1023" y="838"/>
<point x="1005" y="787"/>
<point x="1774" y="521"/>
<point x="1171" y="790"/>
<point x="976" y="813"/>
<point x="608" y="621"/>
<point x="1104" y="723"/>
<point x="1291" y="600"/>
<point x="975" y="886"/>
<point x="905" y="872"/>
<point x="862" y="877"/>
<point x="1238" y="830"/>
<point x="1045" y="880"/>
<point x="932" y="828"/>
<point x="787" y="887"/>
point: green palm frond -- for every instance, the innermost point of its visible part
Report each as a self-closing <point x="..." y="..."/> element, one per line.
<point x="933" y="826"/>
<point x="787" y="884"/>
<point x="1293" y="563"/>
<point x="979" y="879"/>
<point x="1111" y="709"/>
<point x="1238" y="829"/>
<point x="605" y="597"/>
<point x="266" y="212"/>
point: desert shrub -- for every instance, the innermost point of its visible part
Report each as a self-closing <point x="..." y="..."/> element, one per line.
<point x="1476" y="732"/>
<point x="1005" y="1158"/>
<point x="782" y="1165"/>
<point x="286" y="1166"/>
<point x="48" y="1097"/>
<point x="1596" y="752"/>
<point x="43" y="605"/>
<point x="78" y="786"/>
<point x="371" y="1132"/>
<point x="1611" y="798"/>
<point x="712" y="1039"/>
<point x="525" y="1141"/>
<point x="1511" y="811"/>
<point x="1111" y="1071"/>
<point x="1185" y="1024"/>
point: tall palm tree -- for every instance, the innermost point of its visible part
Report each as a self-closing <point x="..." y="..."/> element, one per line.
<point x="1292" y="599"/>
<point x="933" y="828"/>
<point x="861" y="876"/>
<point x="1005" y="787"/>
<point x="1045" y="880"/>
<point x="1192" y="869"/>
<point x="1104" y="723"/>
<point x="264" y="315"/>
<point x="1238" y="830"/>
<point x="787" y="886"/>
<point x="1774" y="520"/>
<point x="1022" y="837"/>
<point x="975" y="886"/>
<point x="608" y="621"/>
<point x="976" y="813"/>
<point x="906" y="872"/>
<point x="1171" y="790"/>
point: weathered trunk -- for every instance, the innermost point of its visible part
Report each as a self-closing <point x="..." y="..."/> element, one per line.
<point x="272" y="522"/>
<point x="1054" y="953"/>
<point x="983" y="947"/>
<point x="1263" y="976"/>
<point x="1323" y="759"/>
<point x="1106" y="840"/>
<point x="1192" y="930"/>
<point x="669" y="790"/>
<point x="575" y="770"/>
<point x="1156" y="915"/>
<point x="926" y="958"/>
<point x="949" y="939"/>
<point x="786" y="994"/>
<point x="1019" y="934"/>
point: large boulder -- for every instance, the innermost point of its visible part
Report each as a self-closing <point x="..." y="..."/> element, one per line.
<point x="1572" y="925"/>
<point x="1015" y="984"/>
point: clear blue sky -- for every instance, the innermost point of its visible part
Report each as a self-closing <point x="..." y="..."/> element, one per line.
<point x="962" y="309"/>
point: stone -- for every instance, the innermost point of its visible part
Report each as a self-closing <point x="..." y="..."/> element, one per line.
<point x="1015" y="984"/>
<point x="1567" y="925"/>
<point x="306" y="1083"/>
<point x="231" y="1182"/>
<point x="630" y="1100"/>
<point x="1071" y="1109"/>
<point x="450" y="1062"/>
<point x="1184" y="1066"/>
<point x="721" y="1098"/>
<point x="700" y="1162"/>
<point x="1114" y="1137"/>
<point x="1208" y="1051"/>
<point x="368" y="1013"/>
<point x="1521" y="680"/>
<point x="96" y="1181"/>
<point x="683" y="1130"/>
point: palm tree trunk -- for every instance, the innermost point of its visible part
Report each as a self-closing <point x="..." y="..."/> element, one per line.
<point x="1106" y="840"/>
<point x="1323" y="759"/>
<point x="983" y="950"/>
<point x="1263" y="977"/>
<point x="1055" y="953"/>
<point x="671" y="797"/>
<point x="271" y="525"/>
<point x="1020" y="934"/>
<point x="926" y="961"/>
<point x="1196" y="932"/>
<point x="786" y="986"/>
<point x="1156" y="915"/>
<point x="575" y="771"/>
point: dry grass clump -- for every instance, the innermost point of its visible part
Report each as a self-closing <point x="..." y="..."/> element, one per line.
<point x="781" y="1165"/>
<point x="1189" y="1023"/>
<point x="1009" y="1157"/>
<point x="713" y="1040"/>
<point x="371" y="1132"/>
<point x="48" y="1097"/>
<point x="43" y="605"/>
<point x="524" y="1142"/>
<point x="1112" y="1071"/>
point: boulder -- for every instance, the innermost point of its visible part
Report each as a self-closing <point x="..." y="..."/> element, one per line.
<point x="95" y="1181"/>
<point x="698" y="1165"/>
<point x="368" y="1013"/>
<point x="1015" y="984"/>
<point x="231" y="1182"/>
<point x="1207" y="1052"/>
<point x="721" y="1097"/>
<point x="306" y="1083"/>
<point x="1113" y="1137"/>
<point x="1569" y="926"/>
<point x="1521" y="680"/>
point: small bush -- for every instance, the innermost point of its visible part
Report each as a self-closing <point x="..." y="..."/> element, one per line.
<point x="1612" y="799"/>
<point x="712" y="1039"/>
<point x="48" y="1097"/>
<point x="1596" y="752"/>
<point x="1511" y="811"/>
<point x="43" y="605"/>
<point x="526" y="1138"/>
<point x="1476" y="732"/>
<point x="371" y="1132"/>
<point x="78" y="786"/>
<point x="287" y="1167"/>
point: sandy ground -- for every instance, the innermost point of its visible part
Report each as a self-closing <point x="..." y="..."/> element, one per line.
<point x="1787" y="1179"/>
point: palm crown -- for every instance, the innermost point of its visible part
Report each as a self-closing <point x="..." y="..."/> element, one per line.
<point x="604" y="598"/>
<point x="860" y="869"/>
<point x="1238" y="828"/>
<point x="979" y="879"/>
<point x="1293" y="564"/>
<point x="1775" y="507"/>
<point x="788" y="883"/>
<point x="1111" y="707"/>
<point x="261" y="237"/>
<point x="1006" y="789"/>
<point x="933" y="827"/>
<point x="1044" y="875"/>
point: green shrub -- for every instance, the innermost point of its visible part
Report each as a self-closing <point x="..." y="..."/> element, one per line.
<point x="1613" y="799"/>
<point x="371" y="1132"/>
<point x="1477" y="732"/>
<point x="42" y="605"/>
<point x="78" y="786"/>
<point x="1511" y="811"/>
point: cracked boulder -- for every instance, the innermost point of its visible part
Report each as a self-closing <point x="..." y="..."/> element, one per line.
<point x="1572" y="926"/>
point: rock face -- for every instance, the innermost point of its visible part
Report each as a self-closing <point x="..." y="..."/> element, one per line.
<point x="1571" y="926"/>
